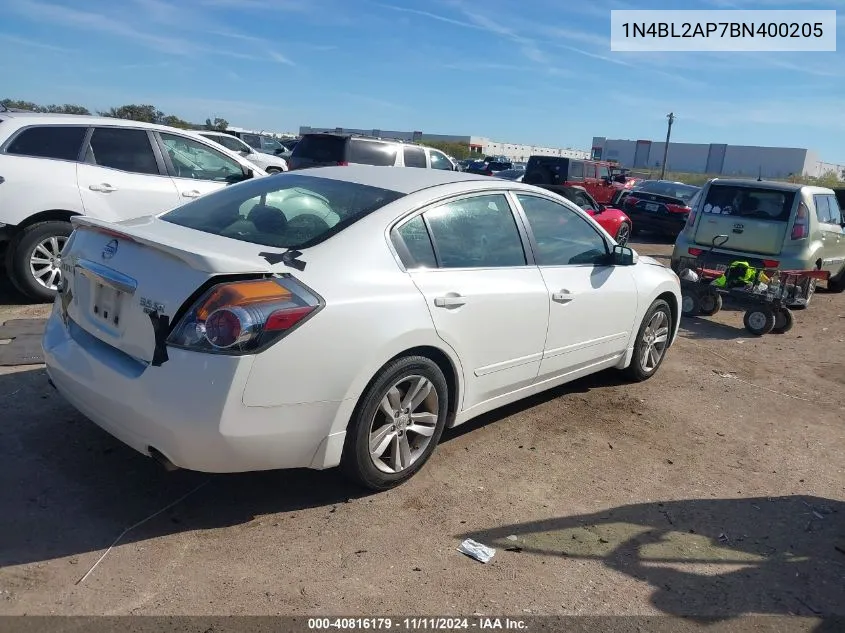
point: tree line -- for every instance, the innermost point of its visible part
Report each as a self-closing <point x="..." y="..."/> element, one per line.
<point x="132" y="112"/>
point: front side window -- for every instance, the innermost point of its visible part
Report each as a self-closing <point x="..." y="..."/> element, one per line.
<point x="583" y="201"/>
<point x="285" y="211"/>
<point x="414" y="156"/>
<point x="604" y="172"/>
<point x="192" y="159"/>
<point x="124" y="149"/>
<point x="61" y="142"/>
<point x="563" y="238"/>
<point x="439" y="161"/>
<point x="476" y="232"/>
<point x="372" y="153"/>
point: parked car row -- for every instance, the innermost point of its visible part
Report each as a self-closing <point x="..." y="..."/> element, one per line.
<point x="100" y="167"/>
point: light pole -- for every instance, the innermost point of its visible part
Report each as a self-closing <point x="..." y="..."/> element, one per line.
<point x="671" y="117"/>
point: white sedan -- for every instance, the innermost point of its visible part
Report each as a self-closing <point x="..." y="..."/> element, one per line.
<point x="343" y="316"/>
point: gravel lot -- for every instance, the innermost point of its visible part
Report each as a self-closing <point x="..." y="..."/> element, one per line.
<point x="716" y="488"/>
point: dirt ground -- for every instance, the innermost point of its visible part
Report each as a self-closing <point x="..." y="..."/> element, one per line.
<point x="717" y="488"/>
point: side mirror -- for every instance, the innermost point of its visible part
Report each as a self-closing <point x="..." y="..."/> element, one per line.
<point x="622" y="256"/>
<point x="601" y="208"/>
<point x="248" y="173"/>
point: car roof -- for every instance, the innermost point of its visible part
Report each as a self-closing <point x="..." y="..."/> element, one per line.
<point x="765" y="184"/>
<point x="34" y="118"/>
<point x="400" y="179"/>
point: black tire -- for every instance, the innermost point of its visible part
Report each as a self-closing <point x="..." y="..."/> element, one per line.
<point x="836" y="285"/>
<point x="784" y="321"/>
<point x="636" y="371"/>
<point x="690" y="305"/>
<point x="710" y="303"/>
<point x="759" y="320"/>
<point x="20" y="251"/>
<point x="356" y="462"/>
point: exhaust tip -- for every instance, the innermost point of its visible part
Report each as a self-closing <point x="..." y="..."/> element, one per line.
<point x="159" y="457"/>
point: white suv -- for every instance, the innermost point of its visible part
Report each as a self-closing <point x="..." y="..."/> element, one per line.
<point x="271" y="163"/>
<point x="55" y="166"/>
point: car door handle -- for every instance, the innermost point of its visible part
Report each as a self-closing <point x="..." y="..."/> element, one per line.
<point x="564" y="296"/>
<point x="449" y="301"/>
<point x="103" y="187"/>
<point x="193" y="193"/>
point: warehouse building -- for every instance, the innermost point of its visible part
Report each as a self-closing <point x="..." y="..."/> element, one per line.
<point x="718" y="159"/>
<point x="479" y="145"/>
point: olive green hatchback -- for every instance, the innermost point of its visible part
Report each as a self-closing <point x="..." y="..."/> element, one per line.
<point x="768" y="224"/>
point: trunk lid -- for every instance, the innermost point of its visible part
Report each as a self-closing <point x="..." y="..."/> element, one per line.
<point x="120" y="279"/>
<point x="755" y="218"/>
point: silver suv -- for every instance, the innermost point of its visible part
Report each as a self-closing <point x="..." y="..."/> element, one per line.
<point x="768" y="224"/>
<point x="326" y="149"/>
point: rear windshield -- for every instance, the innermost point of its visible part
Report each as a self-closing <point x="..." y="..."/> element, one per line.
<point x="321" y="148"/>
<point x="675" y="190"/>
<point x="283" y="211"/>
<point x="749" y="202"/>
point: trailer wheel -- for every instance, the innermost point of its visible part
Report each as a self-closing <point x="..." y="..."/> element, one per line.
<point x="784" y="320"/>
<point x="759" y="320"/>
<point x="690" y="304"/>
<point x="710" y="303"/>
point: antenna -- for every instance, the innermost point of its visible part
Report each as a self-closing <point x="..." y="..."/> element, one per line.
<point x="760" y="174"/>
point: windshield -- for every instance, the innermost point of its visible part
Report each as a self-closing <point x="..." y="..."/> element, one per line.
<point x="285" y="211"/>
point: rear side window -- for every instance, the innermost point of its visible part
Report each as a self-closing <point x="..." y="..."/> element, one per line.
<point x="124" y="149"/>
<point x="477" y="232"/>
<point x="321" y="149"/>
<point x="827" y="209"/>
<point x="229" y="142"/>
<point x="414" y="157"/>
<point x="576" y="170"/>
<point x="418" y="251"/>
<point x="372" y="153"/>
<point x="589" y="170"/>
<point x="749" y="202"/>
<point x="62" y="142"/>
<point x="253" y="140"/>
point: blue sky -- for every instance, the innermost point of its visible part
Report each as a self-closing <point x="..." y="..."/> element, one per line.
<point x="539" y="71"/>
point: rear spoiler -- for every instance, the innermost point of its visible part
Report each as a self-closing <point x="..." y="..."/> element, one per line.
<point x="212" y="262"/>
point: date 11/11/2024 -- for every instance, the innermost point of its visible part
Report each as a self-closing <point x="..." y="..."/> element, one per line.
<point x="416" y="624"/>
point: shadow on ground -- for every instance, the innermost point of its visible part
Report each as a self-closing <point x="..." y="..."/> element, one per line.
<point x="72" y="488"/>
<point x="708" y="558"/>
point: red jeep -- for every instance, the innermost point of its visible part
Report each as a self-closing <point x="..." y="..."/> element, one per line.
<point x="601" y="179"/>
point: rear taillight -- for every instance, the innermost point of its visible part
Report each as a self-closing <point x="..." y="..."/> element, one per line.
<point x="770" y="264"/>
<point x="801" y="228"/>
<point x="678" y="208"/>
<point x="695" y="252"/>
<point x="488" y="172"/>
<point x="244" y="316"/>
<point x="343" y="163"/>
<point x="631" y="201"/>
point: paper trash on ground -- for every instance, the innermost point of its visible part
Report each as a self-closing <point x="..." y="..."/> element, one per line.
<point x="476" y="550"/>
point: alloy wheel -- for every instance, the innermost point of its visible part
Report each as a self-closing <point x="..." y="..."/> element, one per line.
<point x="655" y="340"/>
<point x="45" y="262"/>
<point x="403" y="424"/>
